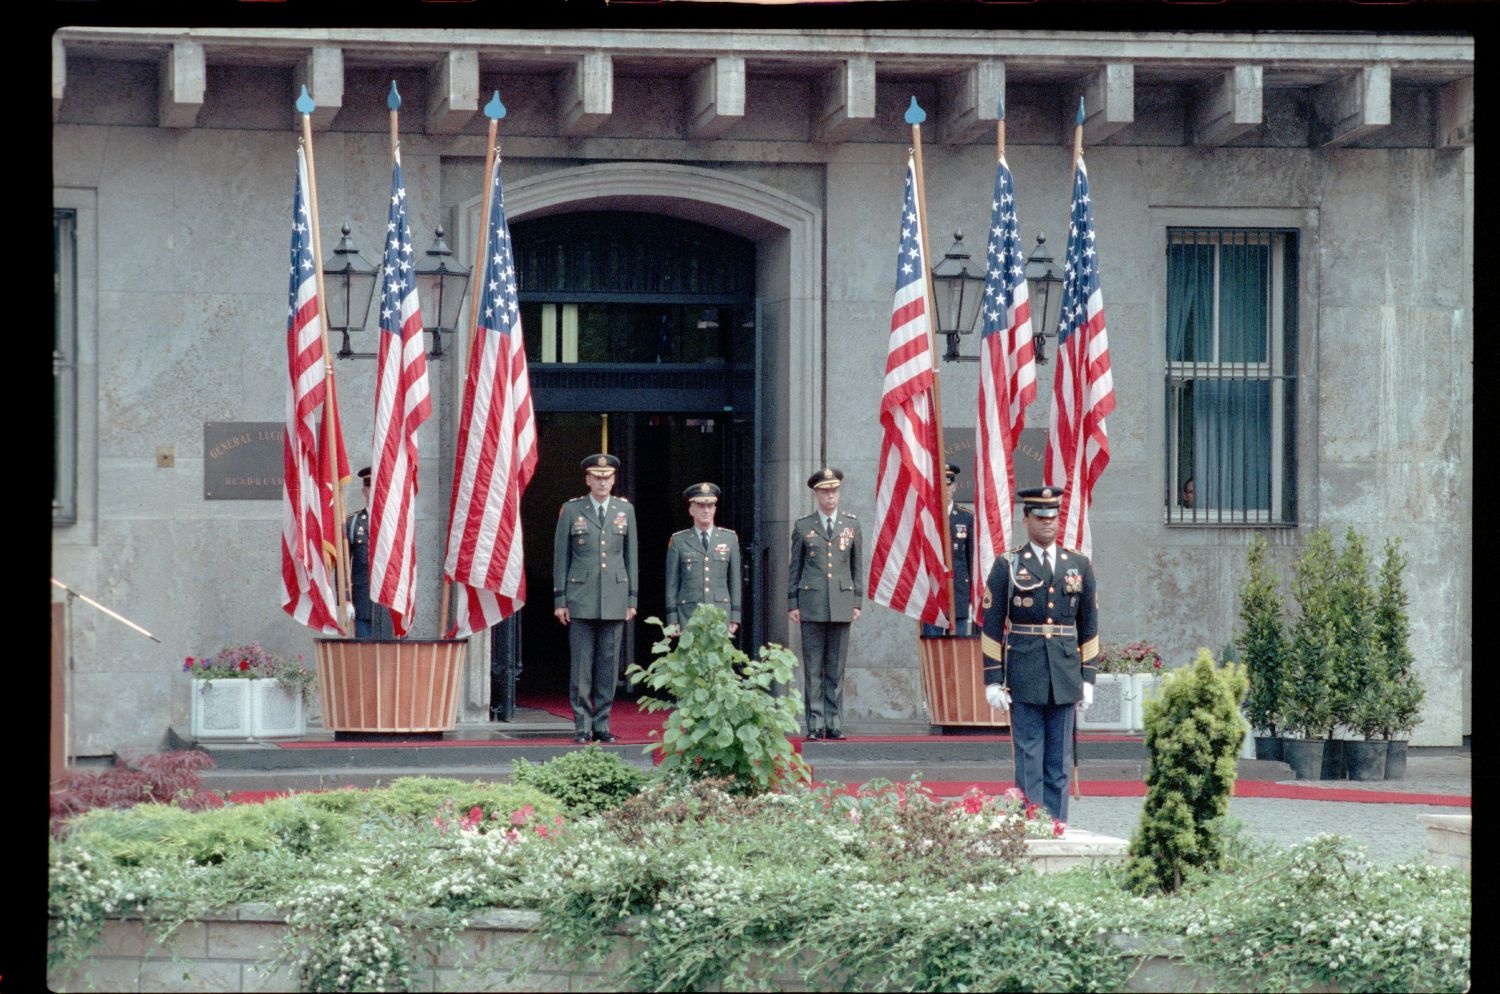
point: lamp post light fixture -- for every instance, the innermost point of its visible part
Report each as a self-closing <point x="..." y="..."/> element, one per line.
<point x="1044" y="288"/>
<point x="350" y="284"/>
<point x="441" y="282"/>
<point x="958" y="288"/>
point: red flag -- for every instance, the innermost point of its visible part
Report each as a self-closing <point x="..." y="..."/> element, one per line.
<point x="907" y="568"/>
<point x="496" y="444"/>
<point x="307" y="591"/>
<point x="402" y="403"/>
<point x="1083" y="392"/>
<point x="1007" y="378"/>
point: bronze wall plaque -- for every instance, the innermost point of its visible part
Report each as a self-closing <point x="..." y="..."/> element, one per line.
<point x="242" y="460"/>
<point x="958" y="448"/>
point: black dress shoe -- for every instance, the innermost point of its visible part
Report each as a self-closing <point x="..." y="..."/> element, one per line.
<point x="606" y="737"/>
<point x="834" y="733"/>
<point x="582" y="738"/>
<point x="815" y="735"/>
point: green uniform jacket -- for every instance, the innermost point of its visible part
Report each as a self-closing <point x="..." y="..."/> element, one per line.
<point x="593" y="569"/>
<point x="825" y="580"/>
<point x="696" y="577"/>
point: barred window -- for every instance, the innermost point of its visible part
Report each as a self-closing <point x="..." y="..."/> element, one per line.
<point x="64" y="367"/>
<point x="1230" y="376"/>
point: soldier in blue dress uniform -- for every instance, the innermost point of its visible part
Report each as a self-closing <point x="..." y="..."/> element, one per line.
<point x="1041" y="635"/>
<point x="371" y="620"/>
<point x="594" y="587"/>
<point x="961" y="538"/>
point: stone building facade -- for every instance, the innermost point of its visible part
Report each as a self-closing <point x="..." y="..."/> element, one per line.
<point x="1349" y="153"/>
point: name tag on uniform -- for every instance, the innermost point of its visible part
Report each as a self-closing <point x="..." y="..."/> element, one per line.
<point x="580" y="525"/>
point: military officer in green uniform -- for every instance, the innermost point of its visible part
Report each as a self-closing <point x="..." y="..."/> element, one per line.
<point x="1041" y="635"/>
<point x="825" y="587"/>
<point x="703" y="562"/>
<point x="594" y="588"/>
<point x="371" y="620"/>
<point x="961" y="539"/>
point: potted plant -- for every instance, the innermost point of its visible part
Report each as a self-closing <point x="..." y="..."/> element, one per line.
<point x="1261" y="642"/>
<point x="248" y="692"/>
<point x="1394" y="658"/>
<point x="1117" y="699"/>
<point x="1306" y="699"/>
<point x="1361" y="688"/>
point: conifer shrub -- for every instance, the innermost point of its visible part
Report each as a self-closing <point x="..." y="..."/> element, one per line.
<point x="1261" y="639"/>
<point x="1395" y="659"/>
<point x="1308" y="698"/>
<point x="586" y="781"/>
<point x="1193" y="733"/>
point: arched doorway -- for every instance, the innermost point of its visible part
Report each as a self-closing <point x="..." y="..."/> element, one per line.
<point x="641" y="326"/>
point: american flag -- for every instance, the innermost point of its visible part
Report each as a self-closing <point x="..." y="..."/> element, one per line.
<point x="496" y="444"/>
<point x="908" y="570"/>
<point x="1083" y="392"/>
<point x="307" y="588"/>
<point x="401" y="405"/>
<point x="1007" y="377"/>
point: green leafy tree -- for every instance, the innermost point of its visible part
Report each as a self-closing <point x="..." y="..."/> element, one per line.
<point x="1360" y="689"/>
<point x="1261" y="640"/>
<point x="725" y="722"/>
<point x="1193" y="733"/>
<point x="1392" y="632"/>
<point x="1307" y="693"/>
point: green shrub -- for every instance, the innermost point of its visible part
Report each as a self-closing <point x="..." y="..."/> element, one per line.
<point x="421" y="798"/>
<point x="1261" y="639"/>
<point x="586" y="781"/>
<point x="1193" y="735"/>
<point x="1308" y="697"/>
<point x="1392" y="632"/>
<point x="725" y="722"/>
<point x="1361" y="692"/>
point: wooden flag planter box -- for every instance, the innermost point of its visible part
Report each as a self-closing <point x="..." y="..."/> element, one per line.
<point x="410" y="685"/>
<point x="953" y="683"/>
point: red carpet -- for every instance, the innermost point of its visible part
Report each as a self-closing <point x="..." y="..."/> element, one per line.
<point x="626" y="719"/>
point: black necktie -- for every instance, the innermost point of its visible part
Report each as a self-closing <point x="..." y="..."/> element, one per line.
<point x="828" y="529"/>
<point x="1047" y="561"/>
<point x="704" y="537"/>
<point x="601" y="515"/>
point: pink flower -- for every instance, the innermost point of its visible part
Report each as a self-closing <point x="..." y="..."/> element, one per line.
<point x="1058" y="828"/>
<point x="1014" y="795"/>
<point x="187" y="665"/>
<point x="473" y="818"/>
<point x="974" y="801"/>
<point x="542" y="831"/>
<point x="522" y="816"/>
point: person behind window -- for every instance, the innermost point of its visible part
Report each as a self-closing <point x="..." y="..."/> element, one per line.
<point x="1186" y="497"/>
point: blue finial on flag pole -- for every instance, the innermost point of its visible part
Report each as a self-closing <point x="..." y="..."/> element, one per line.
<point x="915" y="115"/>
<point x="494" y="110"/>
<point x="393" y="101"/>
<point x="1080" y="112"/>
<point x="305" y="103"/>
<point x="1000" y="108"/>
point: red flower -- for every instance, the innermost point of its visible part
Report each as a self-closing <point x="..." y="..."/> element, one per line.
<point x="1031" y="810"/>
<point x="244" y="665"/>
<point x="473" y="818"/>
<point x="974" y="801"/>
<point x="1058" y="828"/>
<point x="187" y="665"/>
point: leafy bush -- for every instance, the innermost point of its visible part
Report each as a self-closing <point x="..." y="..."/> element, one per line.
<point x="725" y="722"/>
<point x="1193" y="735"/>
<point x="1134" y="657"/>
<point x="252" y="661"/>
<point x="586" y="781"/>
<point x="164" y="778"/>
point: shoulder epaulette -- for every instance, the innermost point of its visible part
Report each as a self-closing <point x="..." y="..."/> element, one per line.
<point x="846" y="514"/>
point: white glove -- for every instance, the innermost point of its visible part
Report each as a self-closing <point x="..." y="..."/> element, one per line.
<point x="998" y="698"/>
<point x="1088" y="697"/>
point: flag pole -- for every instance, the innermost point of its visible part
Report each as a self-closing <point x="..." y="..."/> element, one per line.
<point x="306" y="106"/>
<point x="494" y="110"/>
<point x="915" y="116"/>
<point x="1074" y="785"/>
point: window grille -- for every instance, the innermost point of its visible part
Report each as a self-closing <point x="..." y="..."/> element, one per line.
<point x="1231" y="382"/>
